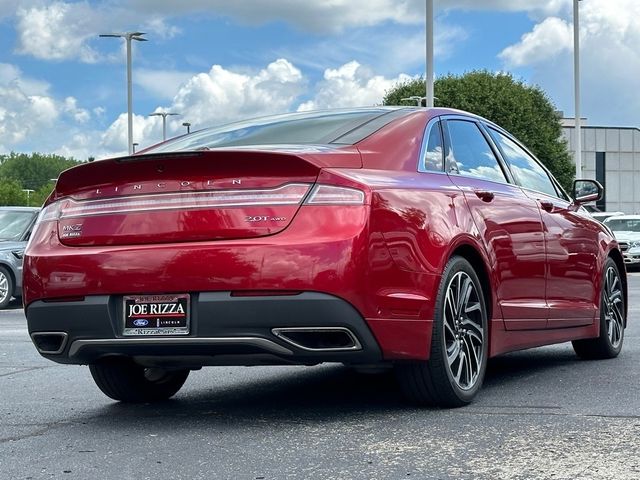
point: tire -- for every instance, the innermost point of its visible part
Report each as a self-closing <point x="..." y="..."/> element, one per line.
<point x="612" y="319"/>
<point x="459" y="349"/>
<point x="6" y="287"/>
<point x="124" y="380"/>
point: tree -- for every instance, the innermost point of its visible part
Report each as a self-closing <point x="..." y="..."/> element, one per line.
<point x="35" y="170"/>
<point x="11" y="193"/>
<point x="523" y="110"/>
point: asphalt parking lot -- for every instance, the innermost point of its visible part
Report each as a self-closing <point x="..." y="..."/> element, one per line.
<point x="543" y="414"/>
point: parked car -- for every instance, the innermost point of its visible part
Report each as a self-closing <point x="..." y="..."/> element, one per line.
<point x="626" y="228"/>
<point x="426" y="239"/>
<point x="602" y="216"/>
<point x="15" y="227"/>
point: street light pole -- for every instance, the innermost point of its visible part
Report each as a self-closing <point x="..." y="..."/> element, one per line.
<point x="414" y="98"/>
<point x="28" y="191"/>
<point x="188" y="125"/>
<point x="576" y="86"/>
<point x="429" y="34"/>
<point x="128" y="36"/>
<point x="164" y="116"/>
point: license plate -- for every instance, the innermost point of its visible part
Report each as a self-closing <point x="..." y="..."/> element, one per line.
<point x="156" y="314"/>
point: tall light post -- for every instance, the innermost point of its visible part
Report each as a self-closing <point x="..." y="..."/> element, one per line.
<point x="128" y="36"/>
<point x="188" y="126"/>
<point x="164" y="116"/>
<point x="429" y="34"/>
<point x="28" y="191"/>
<point x="576" y="85"/>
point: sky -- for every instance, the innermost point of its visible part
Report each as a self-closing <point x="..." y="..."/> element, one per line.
<point x="63" y="89"/>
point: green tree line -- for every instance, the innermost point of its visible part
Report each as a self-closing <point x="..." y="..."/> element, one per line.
<point x="524" y="110"/>
<point x="28" y="179"/>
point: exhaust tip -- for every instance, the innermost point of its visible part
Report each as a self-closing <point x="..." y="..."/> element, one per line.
<point x="319" y="339"/>
<point x="49" y="343"/>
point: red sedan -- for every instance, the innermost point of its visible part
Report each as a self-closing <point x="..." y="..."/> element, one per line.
<point x="426" y="239"/>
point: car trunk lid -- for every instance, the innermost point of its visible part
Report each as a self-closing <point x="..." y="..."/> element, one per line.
<point x="188" y="196"/>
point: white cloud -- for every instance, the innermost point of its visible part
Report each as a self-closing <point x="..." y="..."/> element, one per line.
<point x="350" y="85"/>
<point x="57" y="31"/>
<point x="548" y="39"/>
<point x="28" y="111"/>
<point x="63" y="30"/>
<point x="317" y="15"/>
<point x="70" y="107"/>
<point x="610" y="35"/>
<point x="338" y="15"/>
<point x="158" y="26"/>
<point x="215" y="97"/>
<point x="10" y="74"/>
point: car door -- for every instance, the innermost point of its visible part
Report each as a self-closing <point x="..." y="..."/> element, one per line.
<point x="507" y="219"/>
<point x="571" y="239"/>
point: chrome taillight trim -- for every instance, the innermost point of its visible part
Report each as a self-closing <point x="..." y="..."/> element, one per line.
<point x="289" y="194"/>
<point x="323" y="194"/>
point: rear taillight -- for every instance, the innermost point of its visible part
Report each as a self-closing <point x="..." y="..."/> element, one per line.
<point x="333" y="195"/>
<point x="290" y="194"/>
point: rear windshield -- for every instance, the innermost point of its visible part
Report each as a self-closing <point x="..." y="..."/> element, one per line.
<point x="622" y="225"/>
<point x="306" y="128"/>
<point x="13" y="224"/>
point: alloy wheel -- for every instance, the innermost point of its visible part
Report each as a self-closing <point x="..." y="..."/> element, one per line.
<point x="613" y="306"/>
<point x="463" y="331"/>
<point x="4" y="287"/>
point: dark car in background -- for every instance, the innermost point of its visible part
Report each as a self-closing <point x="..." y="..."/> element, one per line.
<point x="15" y="227"/>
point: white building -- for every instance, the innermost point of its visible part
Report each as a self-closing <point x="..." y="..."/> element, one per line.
<point x="610" y="155"/>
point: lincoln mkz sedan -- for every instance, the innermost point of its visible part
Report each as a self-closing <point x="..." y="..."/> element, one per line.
<point x="424" y="239"/>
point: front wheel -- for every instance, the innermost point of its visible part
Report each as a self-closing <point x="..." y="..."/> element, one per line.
<point x="124" y="380"/>
<point x="612" y="318"/>
<point x="459" y="343"/>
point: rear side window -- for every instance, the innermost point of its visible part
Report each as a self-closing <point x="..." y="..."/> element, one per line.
<point x="525" y="169"/>
<point x="433" y="156"/>
<point x="470" y="154"/>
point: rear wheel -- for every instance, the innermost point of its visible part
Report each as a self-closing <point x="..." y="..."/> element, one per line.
<point x="459" y="345"/>
<point x="124" y="380"/>
<point x="6" y="287"/>
<point x="612" y="319"/>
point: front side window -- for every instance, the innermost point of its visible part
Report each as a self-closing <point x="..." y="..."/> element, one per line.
<point x="433" y="154"/>
<point x="526" y="171"/>
<point x="470" y="154"/>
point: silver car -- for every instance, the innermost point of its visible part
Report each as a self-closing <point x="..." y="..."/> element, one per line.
<point x="626" y="228"/>
<point x="15" y="227"/>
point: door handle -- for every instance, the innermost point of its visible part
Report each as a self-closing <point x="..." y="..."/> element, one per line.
<point x="484" y="195"/>
<point x="546" y="205"/>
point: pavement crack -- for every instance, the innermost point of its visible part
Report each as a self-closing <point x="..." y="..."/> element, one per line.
<point x="23" y="370"/>
<point x="37" y="433"/>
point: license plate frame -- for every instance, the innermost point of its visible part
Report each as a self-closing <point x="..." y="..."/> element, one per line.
<point x="156" y="315"/>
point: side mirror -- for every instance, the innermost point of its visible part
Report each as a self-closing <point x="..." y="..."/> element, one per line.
<point x="585" y="191"/>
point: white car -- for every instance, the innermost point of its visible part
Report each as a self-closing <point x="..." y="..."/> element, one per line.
<point x="626" y="228"/>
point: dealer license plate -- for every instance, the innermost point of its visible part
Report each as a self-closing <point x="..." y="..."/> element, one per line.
<point x="156" y="314"/>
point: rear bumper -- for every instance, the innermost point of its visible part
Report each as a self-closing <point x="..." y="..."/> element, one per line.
<point x="225" y="330"/>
